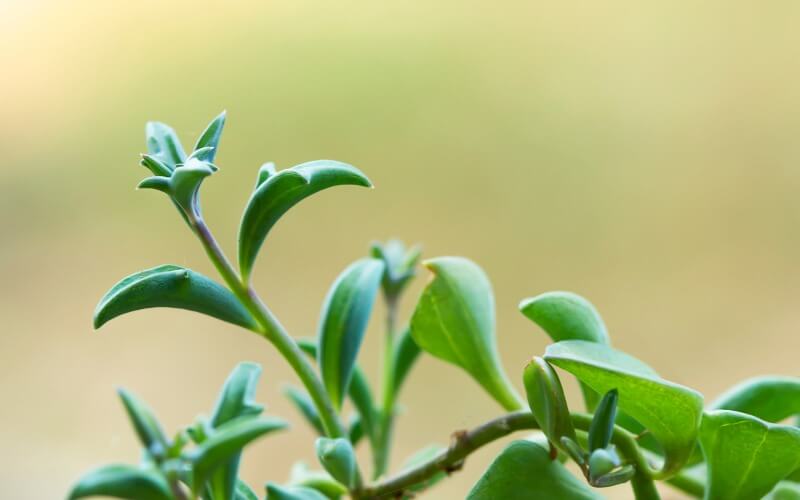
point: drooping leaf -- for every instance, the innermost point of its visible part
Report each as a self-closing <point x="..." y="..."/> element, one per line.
<point x="567" y="316"/>
<point x="746" y="456"/>
<point x="302" y="401"/>
<point x="524" y="471"/>
<point x="454" y="321"/>
<point x="163" y="144"/>
<point x="406" y="352"/>
<point x="210" y="138"/>
<point x="547" y="401"/>
<point x="338" y="458"/>
<point x="226" y="443"/>
<point x="602" y="427"/>
<point x="671" y="412"/>
<point x="172" y="286"/>
<point x="281" y="191"/>
<point x="321" y="481"/>
<point x="147" y="428"/>
<point x="244" y="492"/>
<point x="183" y="185"/>
<point x="769" y="398"/>
<point x="276" y="492"/>
<point x="345" y="315"/>
<point x="122" y="481"/>
<point x="235" y="401"/>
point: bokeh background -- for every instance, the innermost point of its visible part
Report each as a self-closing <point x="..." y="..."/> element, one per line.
<point x="643" y="154"/>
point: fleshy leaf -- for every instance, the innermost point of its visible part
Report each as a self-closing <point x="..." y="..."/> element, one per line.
<point x="400" y="263"/>
<point x="345" y="315"/>
<point x="122" y="481"/>
<point x="171" y="286"/>
<point x="163" y="144"/>
<point x="671" y="412"/>
<point x="280" y="192"/>
<point x="235" y="401"/>
<point x="226" y="443"/>
<point x="338" y="458"/>
<point x="602" y="427"/>
<point x="276" y="492"/>
<point x="145" y="424"/>
<point x="454" y="321"/>
<point x="524" y="471"/>
<point x="785" y="490"/>
<point x="302" y="401"/>
<point x="769" y="398"/>
<point x="321" y="481"/>
<point x="183" y="185"/>
<point x="406" y="352"/>
<point x="210" y="138"/>
<point x="746" y="456"/>
<point x="567" y="316"/>
<point x="547" y="401"/>
<point x="244" y="492"/>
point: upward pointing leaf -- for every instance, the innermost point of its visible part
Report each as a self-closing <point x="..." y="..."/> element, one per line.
<point x="746" y="456"/>
<point x="171" y="286"/>
<point x="163" y="143"/>
<point x="670" y="412"/>
<point x="338" y="458"/>
<point x="454" y="321"/>
<point x="210" y="138"/>
<point x="144" y="423"/>
<point x="547" y="402"/>
<point x="524" y="471"/>
<point x="122" y="481"/>
<point x="183" y="185"/>
<point x="345" y="315"/>
<point x="281" y="191"/>
<point x="768" y="398"/>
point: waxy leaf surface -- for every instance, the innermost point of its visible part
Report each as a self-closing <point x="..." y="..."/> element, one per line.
<point x="338" y="458"/>
<point x="277" y="492"/>
<point x="210" y="138"/>
<point x="122" y="481"/>
<point x="144" y="422"/>
<point x="163" y="144"/>
<point x="769" y="398"/>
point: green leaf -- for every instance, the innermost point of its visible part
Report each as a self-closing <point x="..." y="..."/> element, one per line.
<point x="454" y="321"/>
<point x="345" y="315"/>
<point x="321" y="481"/>
<point x="547" y="401"/>
<point x="746" y="456"/>
<point x="338" y="458"/>
<point x="183" y="185"/>
<point x="145" y="424"/>
<point x="671" y="412"/>
<point x="244" y="492"/>
<point x="405" y="353"/>
<point x="235" y="401"/>
<point x="171" y="286"/>
<point x="163" y="144"/>
<point x="785" y="490"/>
<point x="302" y="401"/>
<point x="276" y="492"/>
<point x="769" y="398"/>
<point x="400" y="263"/>
<point x="567" y="316"/>
<point x="281" y="191"/>
<point x="602" y="427"/>
<point x="122" y="481"/>
<point x="524" y="471"/>
<point x="210" y="138"/>
<point x="226" y="443"/>
<point x="355" y="429"/>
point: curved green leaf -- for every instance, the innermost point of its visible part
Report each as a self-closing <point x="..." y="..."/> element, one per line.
<point x="281" y="191"/>
<point x="122" y="481"/>
<point x="746" y="456"/>
<point x="183" y="185"/>
<point x="171" y="286"/>
<point x="345" y="315"/>
<point x="321" y="481"/>
<point x="547" y="401"/>
<point x="227" y="442"/>
<point x="302" y="401"/>
<point x="244" y="492"/>
<point x="235" y="401"/>
<point x="785" y="490"/>
<point x="400" y="263"/>
<point x="602" y="427"/>
<point x="338" y="458"/>
<point x="454" y="321"/>
<point x="163" y="144"/>
<point x="524" y="471"/>
<point x="671" y="412"/>
<point x="144" y="423"/>
<point x="276" y="492"/>
<point x="210" y="138"/>
<point x="769" y="398"/>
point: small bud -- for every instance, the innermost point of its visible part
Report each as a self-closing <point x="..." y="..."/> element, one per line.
<point x="601" y="462"/>
<point x="338" y="458"/>
<point x="602" y="427"/>
<point x="547" y="402"/>
<point x="624" y="474"/>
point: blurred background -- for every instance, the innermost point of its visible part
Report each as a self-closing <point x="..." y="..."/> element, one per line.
<point x="644" y="155"/>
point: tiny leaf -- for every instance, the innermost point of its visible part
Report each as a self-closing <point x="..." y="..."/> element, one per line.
<point x="171" y="286"/>
<point x="280" y="192"/>
<point x="183" y="185"/>
<point x="400" y="263"/>
<point x="344" y="320"/>
<point x="746" y="456"/>
<point x="302" y="401"/>
<point x="338" y="458"/>
<point x="276" y="492"/>
<point x="144" y="423"/>
<point x="670" y="412"/>
<point x="210" y="138"/>
<point x="163" y="144"/>
<point x="122" y="481"/>
<point x="602" y="427"/>
<point x="454" y="321"/>
<point x="769" y="398"/>
<point x="524" y="471"/>
<point x="547" y="402"/>
<point x="321" y="481"/>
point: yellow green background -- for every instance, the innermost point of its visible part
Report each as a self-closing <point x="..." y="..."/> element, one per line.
<point x="643" y="154"/>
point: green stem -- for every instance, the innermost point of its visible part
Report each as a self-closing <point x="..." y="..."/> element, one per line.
<point x="270" y="328"/>
<point x="385" y="428"/>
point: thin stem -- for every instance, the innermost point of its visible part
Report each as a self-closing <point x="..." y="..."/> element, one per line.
<point x="385" y="427"/>
<point x="270" y="328"/>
